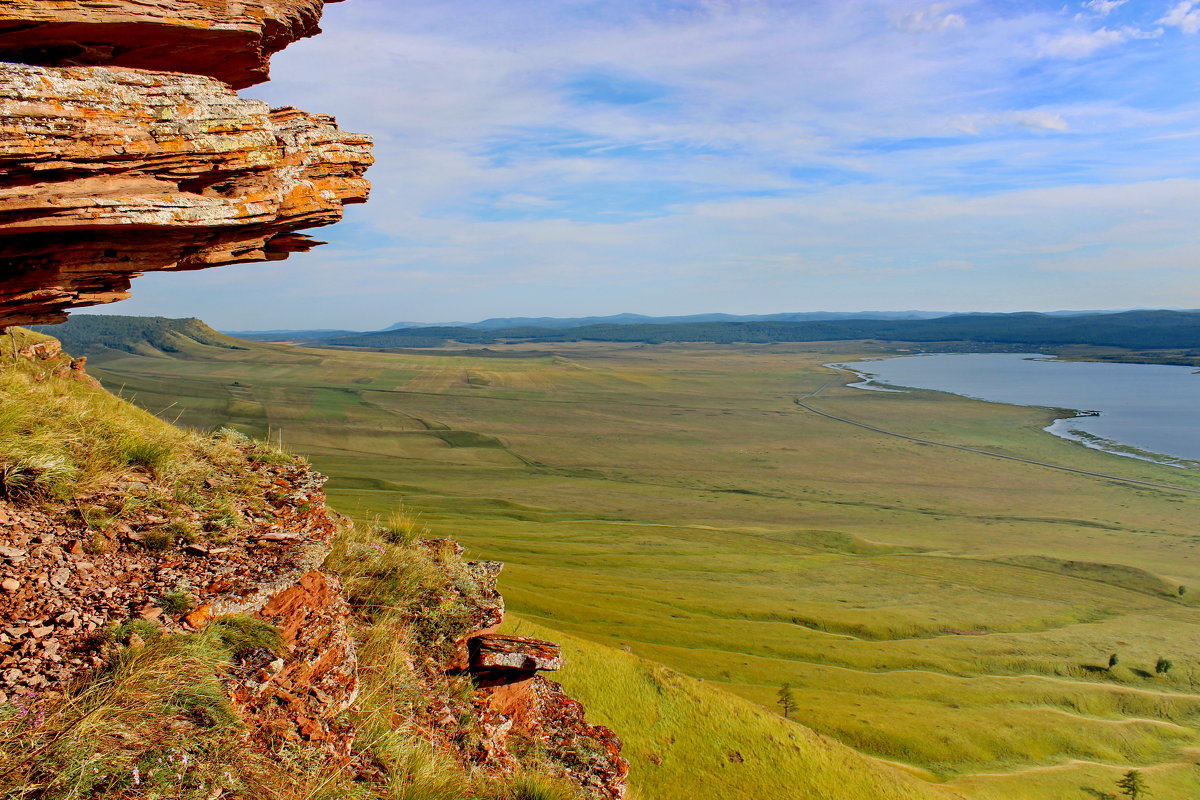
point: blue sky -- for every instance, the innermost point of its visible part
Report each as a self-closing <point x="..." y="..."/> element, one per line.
<point x="575" y="157"/>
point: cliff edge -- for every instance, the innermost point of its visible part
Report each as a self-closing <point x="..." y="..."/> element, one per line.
<point x="180" y="614"/>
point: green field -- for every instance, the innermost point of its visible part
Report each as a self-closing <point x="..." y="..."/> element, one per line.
<point x="941" y="609"/>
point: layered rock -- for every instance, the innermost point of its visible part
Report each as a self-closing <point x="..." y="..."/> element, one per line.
<point x="230" y="41"/>
<point x="106" y="173"/>
<point x="517" y="709"/>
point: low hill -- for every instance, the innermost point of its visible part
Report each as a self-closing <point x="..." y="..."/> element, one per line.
<point x="97" y="334"/>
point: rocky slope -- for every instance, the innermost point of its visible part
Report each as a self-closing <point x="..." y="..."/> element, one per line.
<point x="90" y="577"/>
<point x="108" y="172"/>
<point x="181" y="615"/>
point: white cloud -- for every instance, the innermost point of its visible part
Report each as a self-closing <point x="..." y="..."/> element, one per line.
<point x="817" y="143"/>
<point x="1104" y="7"/>
<point x="1185" y="16"/>
<point x="1029" y="120"/>
<point x="936" y="19"/>
<point x="1080" y="44"/>
<point x="1037" y="120"/>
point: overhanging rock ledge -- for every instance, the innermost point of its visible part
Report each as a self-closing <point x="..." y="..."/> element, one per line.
<point x="107" y="172"/>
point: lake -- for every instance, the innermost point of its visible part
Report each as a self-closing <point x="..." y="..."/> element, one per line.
<point x="1143" y="409"/>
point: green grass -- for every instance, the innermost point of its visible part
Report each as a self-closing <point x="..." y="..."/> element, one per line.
<point x="933" y="607"/>
<point x="154" y="723"/>
<point x="69" y="444"/>
<point x="680" y="735"/>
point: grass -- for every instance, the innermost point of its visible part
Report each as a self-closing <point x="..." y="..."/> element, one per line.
<point x="154" y="723"/>
<point x="68" y="443"/>
<point x="675" y="728"/>
<point x="933" y="607"/>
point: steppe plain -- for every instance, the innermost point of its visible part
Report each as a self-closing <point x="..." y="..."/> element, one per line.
<point x="939" y="609"/>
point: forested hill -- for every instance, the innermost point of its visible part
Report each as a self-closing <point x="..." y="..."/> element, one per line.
<point x="94" y="334"/>
<point x="1141" y="330"/>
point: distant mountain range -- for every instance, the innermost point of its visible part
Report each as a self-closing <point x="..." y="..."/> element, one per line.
<point x="1127" y="329"/>
<point x="564" y="323"/>
<point x="556" y="323"/>
<point x="1177" y="331"/>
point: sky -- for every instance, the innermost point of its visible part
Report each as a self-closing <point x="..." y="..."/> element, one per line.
<point x="590" y="157"/>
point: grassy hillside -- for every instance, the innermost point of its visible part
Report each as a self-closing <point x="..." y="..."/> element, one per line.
<point x="674" y="500"/>
<point x="153" y="720"/>
<point x="93" y="334"/>
<point x="675" y="728"/>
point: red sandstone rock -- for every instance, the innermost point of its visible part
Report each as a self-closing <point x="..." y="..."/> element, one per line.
<point x="500" y="652"/>
<point x="231" y="41"/>
<point x="589" y="755"/>
<point x="315" y="677"/>
<point x="105" y="174"/>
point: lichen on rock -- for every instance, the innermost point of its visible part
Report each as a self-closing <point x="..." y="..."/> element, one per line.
<point x="124" y="148"/>
<point x="108" y="173"/>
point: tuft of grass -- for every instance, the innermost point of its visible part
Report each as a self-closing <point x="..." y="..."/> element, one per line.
<point x="154" y="723"/>
<point x="175" y="602"/>
<point x="403" y="527"/>
<point x="534" y="786"/>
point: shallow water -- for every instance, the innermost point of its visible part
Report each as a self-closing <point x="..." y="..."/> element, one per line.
<point x="1147" y="407"/>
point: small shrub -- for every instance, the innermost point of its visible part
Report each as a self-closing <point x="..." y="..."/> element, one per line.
<point x="1162" y="666"/>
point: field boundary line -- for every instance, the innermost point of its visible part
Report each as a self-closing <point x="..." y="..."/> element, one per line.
<point x="965" y="449"/>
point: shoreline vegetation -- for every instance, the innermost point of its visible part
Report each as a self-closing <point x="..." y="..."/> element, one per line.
<point x="869" y="381"/>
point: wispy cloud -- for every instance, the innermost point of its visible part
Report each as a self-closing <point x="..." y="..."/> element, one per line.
<point x="1104" y="7"/>
<point x="936" y="18"/>
<point x="1184" y="15"/>
<point x="577" y="156"/>
<point x="1080" y="44"/>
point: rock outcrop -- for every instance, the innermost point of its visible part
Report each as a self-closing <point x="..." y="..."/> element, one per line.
<point x="230" y="41"/>
<point x="515" y="702"/>
<point x="108" y="172"/>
